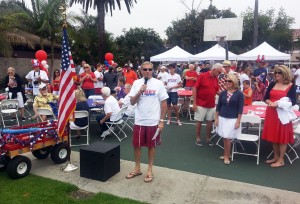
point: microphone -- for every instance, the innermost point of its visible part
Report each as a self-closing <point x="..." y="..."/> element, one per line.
<point x="146" y="79"/>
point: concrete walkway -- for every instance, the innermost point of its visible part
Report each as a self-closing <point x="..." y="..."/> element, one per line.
<point x="168" y="186"/>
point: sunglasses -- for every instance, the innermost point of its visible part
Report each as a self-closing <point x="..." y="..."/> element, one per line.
<point x="277" y="72"/>
<point x="228" y="81"/>
<point x="149" y="69"/>
<point x="45" y="88"/>
<point x="86" y="67"/>
<point x="10" y="73"/>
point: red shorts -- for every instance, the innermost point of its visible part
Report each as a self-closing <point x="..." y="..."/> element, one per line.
<point x="97" y="91"/>
<point x="142" y="136"/>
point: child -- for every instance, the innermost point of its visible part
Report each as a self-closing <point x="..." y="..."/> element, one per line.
<point x="258" y="89"/>
<point x="247" y="93"/>
<point x="120" y="89"/>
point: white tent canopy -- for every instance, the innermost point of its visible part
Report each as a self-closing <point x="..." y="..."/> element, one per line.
<point x="214" y="53"/>
<point x="269" y="52"/>
<point x="176" y="54"/>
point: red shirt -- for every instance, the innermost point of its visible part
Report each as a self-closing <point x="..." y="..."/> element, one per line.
<point x="87" y="82"/>
<point x="207" y="88"/>
<point x="130" y="77"/>
<point x="189" y="82"/>
<point x="247" y="100"/>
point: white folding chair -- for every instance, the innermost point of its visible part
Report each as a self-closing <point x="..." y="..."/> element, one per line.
<point x="26" y="108"/>
<point x="47" y="112"/>
<point x="80" y="114"/>
<point x="255" y="138"/>
<point x="190" y="113"/>
<point x="118" y="124"/>
<point x="296" y="129"/>
<point x="9" y="111"/>
<point x="259" y="103"/>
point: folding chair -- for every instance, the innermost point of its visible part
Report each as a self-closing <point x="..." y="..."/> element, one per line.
<point x="9" y="108"/>
<point x="118" y="124"/>
<point x="26" y="109"/>
<point x="80" y="114"/>
<point x="190" y="114"/>
<point x="47" y="112"/>
<point x="254" y="119"/>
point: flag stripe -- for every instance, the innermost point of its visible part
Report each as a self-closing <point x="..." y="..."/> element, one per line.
<point x="67" y="101"/>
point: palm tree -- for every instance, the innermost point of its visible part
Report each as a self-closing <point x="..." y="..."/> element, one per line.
<point x="43" y="20"/>
<point x="102" y="6"/>
<point x="255" y="25"/>
<point x="9" y="31"/>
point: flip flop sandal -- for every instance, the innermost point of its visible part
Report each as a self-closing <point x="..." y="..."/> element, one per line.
<point x="148" y="179"/>
<point x="133" y="174"/>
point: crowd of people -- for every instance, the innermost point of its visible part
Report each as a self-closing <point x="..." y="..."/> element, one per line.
<point x="219" y="93"/>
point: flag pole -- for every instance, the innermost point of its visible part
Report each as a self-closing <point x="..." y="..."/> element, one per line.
<point x="70" y="167"/>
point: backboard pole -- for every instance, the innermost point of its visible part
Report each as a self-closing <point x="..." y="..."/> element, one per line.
<point x="223" y="42"/>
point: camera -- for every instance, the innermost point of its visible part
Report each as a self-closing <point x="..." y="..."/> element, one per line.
<point x="35" y="82"/>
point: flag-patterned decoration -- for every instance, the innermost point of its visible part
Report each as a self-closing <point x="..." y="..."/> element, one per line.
<point x="67" y="101"/>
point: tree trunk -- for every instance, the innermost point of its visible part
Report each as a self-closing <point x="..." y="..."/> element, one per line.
<point x="101" y="29"/>
<point x="50" y="69"/>
<point x="255" y="25"/>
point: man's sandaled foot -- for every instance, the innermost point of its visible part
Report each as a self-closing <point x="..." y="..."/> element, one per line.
<point x="148" y="178"/>
<point x="270" y="161"/>
<point x="277" y="164"/>
<point x="133" y="174"/>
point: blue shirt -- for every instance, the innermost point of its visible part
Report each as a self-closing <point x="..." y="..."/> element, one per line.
<point x="233" y="107"/>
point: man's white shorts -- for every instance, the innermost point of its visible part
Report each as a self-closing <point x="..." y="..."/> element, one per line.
<point x="205" y="113"/>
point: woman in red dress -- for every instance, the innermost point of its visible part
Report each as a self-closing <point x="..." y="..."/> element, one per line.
<point x="274" y="131"/>
<point x="87" y="80"/>
<point x="55" y="82"/>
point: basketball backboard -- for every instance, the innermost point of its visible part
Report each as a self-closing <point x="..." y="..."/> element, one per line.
<point x="230" y="28"/>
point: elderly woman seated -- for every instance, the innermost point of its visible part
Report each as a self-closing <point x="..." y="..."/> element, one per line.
<point x="42" y="100"/>
<point x="111" y="110"/>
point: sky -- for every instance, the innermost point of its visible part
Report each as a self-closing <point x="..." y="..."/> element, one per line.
<point x="158" y="14"/>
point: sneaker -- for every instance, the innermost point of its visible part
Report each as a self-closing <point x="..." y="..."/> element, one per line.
<point x="23" y="119"/>
<point x="168" y="122"/>
<point x="179" y="123"/>
<point x="105" y="133"/>
<point x="199" y="143"/>
<point x="210" y="143"/>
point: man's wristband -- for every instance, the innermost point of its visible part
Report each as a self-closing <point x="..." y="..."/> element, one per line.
<point x="161" y="120"/>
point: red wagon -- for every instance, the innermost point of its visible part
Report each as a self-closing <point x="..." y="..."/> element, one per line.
<point x="40" y="138"/>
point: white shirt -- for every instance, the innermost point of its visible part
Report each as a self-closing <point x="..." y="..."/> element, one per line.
<point x="126" y="103"/>
<point x="173" y="80"/>
<point x="98" y="84"/>
<point x="33" y="75"/>
<point x="147" y="111"/>
<point x="297" y="80"/>
<point x="111" y="106"/>
<point x="163" y="76"/>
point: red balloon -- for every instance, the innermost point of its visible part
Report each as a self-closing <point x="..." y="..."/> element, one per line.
<point x="109" y="56"/>
<point x="41" y="55"/>
<point x="110" y="62"/>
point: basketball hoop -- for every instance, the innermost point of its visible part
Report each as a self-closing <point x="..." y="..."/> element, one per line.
<point x="221" y="41"/>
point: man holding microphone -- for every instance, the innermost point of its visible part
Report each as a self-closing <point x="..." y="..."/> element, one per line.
<point x="150" y="96"/>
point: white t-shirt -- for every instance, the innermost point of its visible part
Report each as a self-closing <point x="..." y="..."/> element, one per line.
<point x="163" y="76"/>
<point x="243" y="77"/>
<point x="147" y="111"/>
<point x="126" y="103"/>
<point x="297" y="80"/>
<point x="98" y="84"/>
<point x="33" y="75"/>
<point x="173" y="80"/>
<point x="111" y="105"/>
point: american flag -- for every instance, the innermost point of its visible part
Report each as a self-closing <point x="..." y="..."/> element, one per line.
<point x="67" y="101"/>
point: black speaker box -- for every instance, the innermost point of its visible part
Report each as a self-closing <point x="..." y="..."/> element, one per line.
<point x="100" y="161"/>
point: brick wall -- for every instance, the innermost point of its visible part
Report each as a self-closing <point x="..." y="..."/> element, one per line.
<point x="21" y="65"/>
